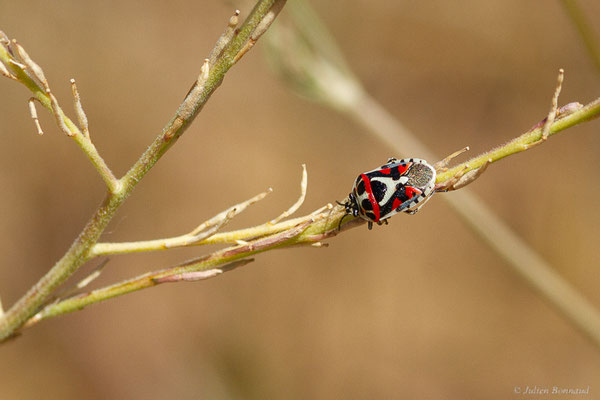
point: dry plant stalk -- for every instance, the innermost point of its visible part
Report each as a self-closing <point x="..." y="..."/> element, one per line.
<point x="308" y="58"/>
<point x="42" y="302"/>
<point x="17" y="65"/>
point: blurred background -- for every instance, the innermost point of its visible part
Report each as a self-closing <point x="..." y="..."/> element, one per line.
<point x="421" y="308"/>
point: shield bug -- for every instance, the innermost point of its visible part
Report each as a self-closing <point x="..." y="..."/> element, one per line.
<point x="398" y="186"/>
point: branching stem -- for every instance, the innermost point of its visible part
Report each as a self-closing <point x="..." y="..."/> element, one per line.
<point x="519" y="144"/>
<point x="307" y="230"/>
<point x="79" y="252"/>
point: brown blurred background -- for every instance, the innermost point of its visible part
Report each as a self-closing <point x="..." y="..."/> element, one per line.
<point x="417" y="309"/>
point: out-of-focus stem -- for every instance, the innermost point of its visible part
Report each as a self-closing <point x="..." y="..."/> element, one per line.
<point x="484" y="222"/>
<point x="585" y="30"/>
<point x="314" y="68"/>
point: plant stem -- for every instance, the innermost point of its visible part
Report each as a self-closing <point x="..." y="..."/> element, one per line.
<point x="483" y="221"/>
<point x="314" y="68"/>
<point x="319" y="226"/>
<point x="78" y="253"/>
<point x="82" y="140"/>
<point x="302" y="233"/>
<point x="28" y="305"/>
<point x="519" y="144"/>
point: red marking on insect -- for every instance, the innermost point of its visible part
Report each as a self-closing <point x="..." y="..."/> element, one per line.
<point x="372" y="199"/>
<point x="411" y="192"/>
<point x="400" y="185"/>
<point x="402" y="168"/>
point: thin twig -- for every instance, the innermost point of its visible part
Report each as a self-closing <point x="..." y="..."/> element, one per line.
<point x="79" y="251"/>
<point x="81" y="117"/>
<point x="70" y="291"/>
<point x="466" y="173"/>
<point x="195" y="276"/>
<point x="554" y="107"/>
<point x="319" y="74"/>
<point x="207" y="263"/>
<point x="30" y="74"/>
<point x="225" y="38"/>
<point x="194" y="237"/>
<point x="299" y="202"/>
<point x="34" y="116"/>
<point x="524" y="142"/>
<point x="31" y="65"/>
<point x="312" y="229"/>
<point x="4" y="71"/>
<point x="85" y="281"/>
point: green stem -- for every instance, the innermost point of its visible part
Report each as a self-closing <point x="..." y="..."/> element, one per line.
<point x="82" y="141"/>
<point x="78" y="253"/>
<point x="325" y="225"/>
<point x="295" y="235"/>
<point x="301" y="231"/>
<point x="586" y="113"/>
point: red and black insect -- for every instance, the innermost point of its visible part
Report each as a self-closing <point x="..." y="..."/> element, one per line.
<point x="398" y="186"/>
